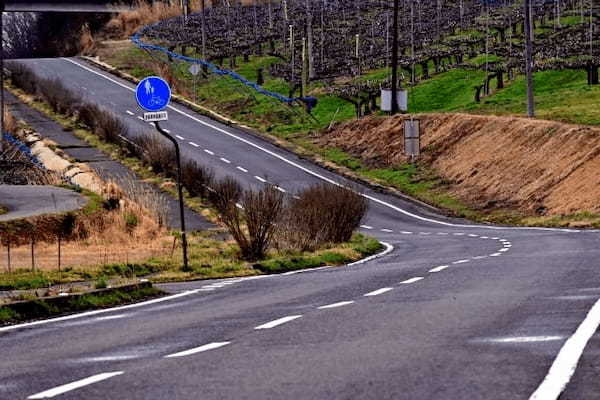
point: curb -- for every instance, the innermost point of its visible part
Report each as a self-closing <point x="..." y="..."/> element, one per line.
<point x="53" y="306"/>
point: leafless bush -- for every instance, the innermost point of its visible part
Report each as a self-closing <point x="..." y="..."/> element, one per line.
<point x="129" y="187"/>
<point x="323" y="213"/>
<point x="22" y="77"/>
<point x="156" y="152"/>
<point x="196" y="178"/>
<point x="58" y="97"/>
<point x="250" y="216"/>
<point x="87" y="113"/>
<point x="108" y="127"/>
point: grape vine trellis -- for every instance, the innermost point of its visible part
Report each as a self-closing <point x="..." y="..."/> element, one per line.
<point x="333" y="40"/>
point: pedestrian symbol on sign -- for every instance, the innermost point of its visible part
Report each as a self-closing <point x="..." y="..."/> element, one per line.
<point x="153" y="94"/>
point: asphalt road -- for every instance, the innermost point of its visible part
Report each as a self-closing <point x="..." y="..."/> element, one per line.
<point x="30" y="200"/>
<point x="451" y="311"/>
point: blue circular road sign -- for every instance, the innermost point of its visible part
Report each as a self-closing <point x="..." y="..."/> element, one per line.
<point x="153" y="93"/>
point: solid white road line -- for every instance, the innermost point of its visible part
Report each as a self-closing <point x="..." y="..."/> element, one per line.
<point x="278" y="322"/>
<point x="260" y="179"/>
<point x="194" y="144"/>
<point x="129" y="112"/>
<point x="438" y="269"/>
<point x="460" y="262"/>
<point x="378" y="291"/>
<point x="333" y="181"/>
<point x="412" y="280"/>
<point x="200" y="349"/>
<point x="334" y="305"/>
<point x="225" y="160"/>
<point x="526" y="339"/>
<point x="209" y="152"/>
<point x="74" y="385"/>
<point x="242" y="169"/>
<point x="564" y="365"/>
<point x="366" y="227"/>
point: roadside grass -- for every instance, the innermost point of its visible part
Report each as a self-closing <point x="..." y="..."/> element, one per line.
<point x="210" y="256"/>
<point x="560" y="95"/>
<point x="40" y="308"/>
<point x="3" y="209"/>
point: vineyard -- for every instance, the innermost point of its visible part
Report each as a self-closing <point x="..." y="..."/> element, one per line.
<point x="333" y="57"/>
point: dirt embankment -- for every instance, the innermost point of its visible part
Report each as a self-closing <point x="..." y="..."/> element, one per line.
<point x="541" y="167"/>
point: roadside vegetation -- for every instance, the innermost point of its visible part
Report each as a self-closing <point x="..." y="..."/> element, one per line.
<point x="261" y="242"/>
<point x="472" y="66"/>
<point x="34" y="308"/>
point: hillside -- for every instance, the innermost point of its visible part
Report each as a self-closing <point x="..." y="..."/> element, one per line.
<point x="534" y="166"/>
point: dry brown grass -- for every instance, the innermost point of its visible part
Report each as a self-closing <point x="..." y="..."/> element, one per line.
<point x="127" y="23"/>
<point x="10" y="122"/>
<point x="537" y="166"/>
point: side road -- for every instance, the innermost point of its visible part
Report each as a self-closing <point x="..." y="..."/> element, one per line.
<point x="29" y="201"/>
<point x="95" y="158"/>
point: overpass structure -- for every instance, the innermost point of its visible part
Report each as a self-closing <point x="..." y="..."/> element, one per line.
<point x="96" y="6"/>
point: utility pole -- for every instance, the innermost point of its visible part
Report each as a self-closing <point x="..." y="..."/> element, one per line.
<point x="529" y="60"/>
<point x="395" y="59"/>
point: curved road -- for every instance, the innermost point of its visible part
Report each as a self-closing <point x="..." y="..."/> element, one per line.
<point x="451" y="311"/>
<point x="29" y="200"/>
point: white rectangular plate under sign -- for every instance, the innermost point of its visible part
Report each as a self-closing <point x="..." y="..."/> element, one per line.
<point x="156" y="116"/>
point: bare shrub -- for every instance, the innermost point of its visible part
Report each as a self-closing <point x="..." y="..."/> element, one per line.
<point x="109" y="127"/>
<point x="127" y="23"/>
<point x="10" y="122"/>
<point x="323" y="213"/>
<point x="129" y="187"/>
<point x="262" y="210"/>
<point x="156" y="153"/>
<point x="196" y="178"/>
<point x="58" y="97"/>
<point x="22" y="77"/>
<point x="250" y="216"/>
<point x="87" y="113"/>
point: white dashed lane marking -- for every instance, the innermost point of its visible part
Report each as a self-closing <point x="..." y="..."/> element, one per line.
<point x="260" y="179"/>
<point x="129" y="112"/>
<point x="378" y="292"/>
<point x="225" y="160"/>
<point x="179" y="137"/>
<point x="412" y="280"/>
<point x="206" y="347"/>
<point x="166" y="130"/>
<point x="366" y="227"/>
<point x="278" y="322"/>
<point x="209" y="152"/>
<point x="460" y="262"/>
<point x="194" y="144"/>
<point x="242" y="169"/>
<point x="335" y="305"/>
<point x="74" y="385"/>
<point x="387" y="230"/>
<point x="140" y="118"/>
<point x="438" y="269"/>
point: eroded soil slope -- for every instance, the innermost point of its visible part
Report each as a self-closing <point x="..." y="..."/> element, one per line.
<point x="543" y="167"/>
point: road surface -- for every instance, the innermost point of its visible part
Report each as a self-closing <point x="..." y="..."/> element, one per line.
<point x="452" y="310"/>
<point x="29" y="200"/>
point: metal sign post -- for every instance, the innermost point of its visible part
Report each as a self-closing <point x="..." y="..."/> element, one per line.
<point x="412" y="139"/>
<point x="153" y="95"/>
